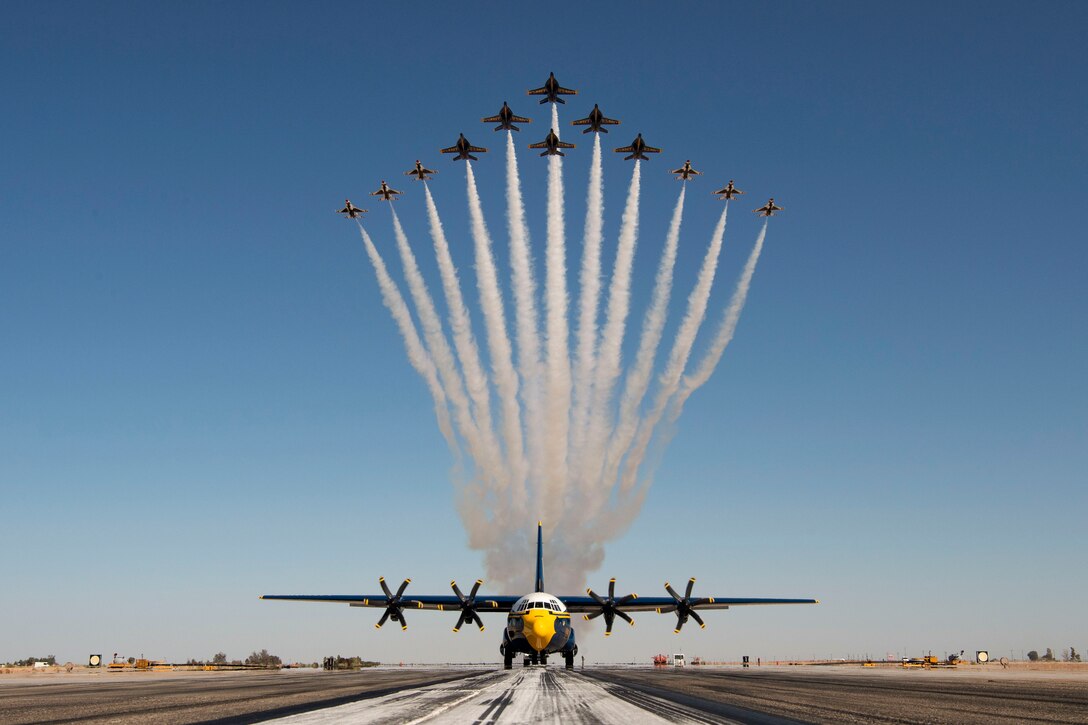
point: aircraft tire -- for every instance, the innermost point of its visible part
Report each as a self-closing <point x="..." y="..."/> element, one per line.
<point x="508" y="661"/>
<point x="570" y="661"/>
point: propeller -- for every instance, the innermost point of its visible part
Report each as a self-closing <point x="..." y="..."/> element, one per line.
<point x="468" y="606"/>
<point x="393" y="608"/>
<point x="610" y="607"/>
<point x="685" y="607"/>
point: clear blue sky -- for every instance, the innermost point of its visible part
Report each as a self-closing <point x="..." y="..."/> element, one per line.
<point x="202" y="398"/>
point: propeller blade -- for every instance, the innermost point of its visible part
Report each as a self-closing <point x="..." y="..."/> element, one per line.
<point x="475" y="588"/>
<point x="625" y="600"/>
<point x="460" y="621"/>
<point x="697" y="618"/>
<point x="457" y="591"/>
<point x="625" y="617"/>
<point x="670" y="590"/>
<point x="385" y="616"/>
<point x="667" y="608"/>
<point x="612" y="588"/>
<point x="479" y="622"/>
<point x="608" y="620"/>
<point x="406" y="582"/>
<point x="596" y="614"/>
<point x="385" y="588"/>
<point x="691" y="583"/>
<point x="596" y="598"/>
<point x="403" y="621"/>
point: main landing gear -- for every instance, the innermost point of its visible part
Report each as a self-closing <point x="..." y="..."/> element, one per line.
<point x="569" y="660"/>
<point x="508" y="661"/>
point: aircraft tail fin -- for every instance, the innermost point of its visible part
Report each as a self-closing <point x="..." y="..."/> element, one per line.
<point x="539" y="557"/>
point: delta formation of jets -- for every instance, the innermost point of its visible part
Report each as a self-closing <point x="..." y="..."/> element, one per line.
<point x="595" y="122"/>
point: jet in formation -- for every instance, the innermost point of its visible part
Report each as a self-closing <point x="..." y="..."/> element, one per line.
<point x="420" y="172"/>
<point x="596" y="121"/>
<point x="551" y="145"/>
<point x="685" y="172"/>
<point x="506" y="119"/>
<point x="768" y="209"/>
<point x="637" y="148"/>
<point x="385" y="192"/>
<point x="351" y="210"/>
<point x="538" y="624"/>
<point x="552" y="90"/>
<point x="728" y="191"/>
<point x="464" y="149"/>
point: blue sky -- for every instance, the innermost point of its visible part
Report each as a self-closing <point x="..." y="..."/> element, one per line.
<point x="202" y="398"/>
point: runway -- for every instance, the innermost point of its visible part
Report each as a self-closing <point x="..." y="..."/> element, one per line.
<point x="601" y="695"/>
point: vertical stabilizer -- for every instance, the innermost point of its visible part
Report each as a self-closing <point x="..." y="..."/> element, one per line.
<point x="539" y="557"/>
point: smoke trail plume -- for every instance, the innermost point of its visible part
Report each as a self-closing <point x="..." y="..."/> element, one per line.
<point x="460" y="323"/>
<point x="695" y="380"/>
<point x="506" y="379"/>
<point x="525" y="314"/>
<point x="417" y="354"/>
<point x="481" y="443"/>
<point x="557" y="375"/>
<point x="670" y="378"/>
<point x="608" y="356"/>
<point x="590" y="283"/>
<point x="638" y="377"/>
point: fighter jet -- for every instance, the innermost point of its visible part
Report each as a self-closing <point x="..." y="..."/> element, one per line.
<point x="595" y="120"/>
<point x="464" y="149"/>
<point x="685" y="172"/>
<point x="506" y="119"/>
<point x="552" y="144"/>
<point x="385" y="192"/>
<point x="728" y="191"/>
<point x="351" y="210"/>
<point x="553" y="90"/>
<point x="637" y="148"/>
<point x="768" y="209"/>
<point x="420" y="172"/>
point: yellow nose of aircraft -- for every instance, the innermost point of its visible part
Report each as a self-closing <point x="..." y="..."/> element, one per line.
<point x="539" y="628"/>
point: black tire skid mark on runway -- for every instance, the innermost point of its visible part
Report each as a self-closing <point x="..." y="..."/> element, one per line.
<point x="564" y="711"/>
<point x="501" y="702"/>
<point x="652" y="698"/>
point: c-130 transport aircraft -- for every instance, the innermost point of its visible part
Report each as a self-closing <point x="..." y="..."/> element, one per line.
<point x="537" y="624"/>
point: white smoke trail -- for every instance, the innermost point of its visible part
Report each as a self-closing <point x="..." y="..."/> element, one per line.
<point x="461" y="324"/>
<point x="638" y="377"/>
<point x="481" y="442"/>
<point x="590" y="283"/>
<point x="669" y="380"/>
<point x="557" y="374"/>
<point x="417" y="354"/>
<point x="525" y="314"/>
<point x="608" y="355"/>
<point x="695" y="380"/>
<point x="506" y="378"/>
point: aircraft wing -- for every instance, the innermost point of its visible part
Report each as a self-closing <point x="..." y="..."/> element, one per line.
<point x="541" y="145"/>
<point x="493" y="119"/>
<point x="581" y="122"/>
<point x="609" y="122"/>
<point x="566" y="91"/>
<point x="650" y="150"/>
<point x="625" y="150"/>
<point x="520" y="119"/>
<point x="439" y="602"/>
<point x="653" y="604"/>
<point x="450" y="150"/>
<point x="538" y="91"/>
<point x="565" y="145"/>
<point x="477" y="149"/>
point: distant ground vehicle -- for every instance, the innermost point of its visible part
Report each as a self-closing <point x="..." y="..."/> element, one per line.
<point x="678" y="660"/>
